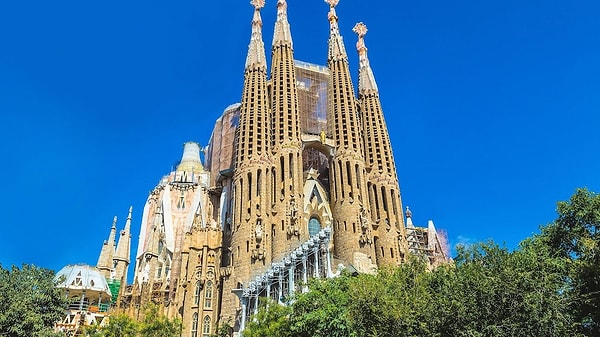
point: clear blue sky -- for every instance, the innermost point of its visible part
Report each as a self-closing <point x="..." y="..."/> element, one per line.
<point x="493" y="107"/>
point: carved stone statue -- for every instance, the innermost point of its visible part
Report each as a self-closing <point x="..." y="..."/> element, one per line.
<point x="258" y="230"/>
<point x="292" y="213"/>
<point x="364" y="221"/>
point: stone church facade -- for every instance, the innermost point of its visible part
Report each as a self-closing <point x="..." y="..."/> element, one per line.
<point x="297" y="182"/>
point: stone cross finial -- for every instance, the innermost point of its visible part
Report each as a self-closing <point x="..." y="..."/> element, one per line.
<point x="360" y="29"/>
<point x="256" y="19"/>
<point x="332" y="3"/>
<point x="258" y="4"/>
<point x="332" y="16"/>
<point x="281" y="10"/>
<point x="281" y="5"/>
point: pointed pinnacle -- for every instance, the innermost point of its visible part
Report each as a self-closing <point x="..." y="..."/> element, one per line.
<point x="361" y="30"/>
<point x="332" y="16"/>
<point x="281" y="6"/>
<point x="332" y="3"/>
<point x="258" y="4"/>
<point x="282" y="32"/>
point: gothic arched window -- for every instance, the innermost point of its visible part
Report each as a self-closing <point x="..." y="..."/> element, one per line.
<point x="314" y="226"/>
<point x="197" y="293"/>
<point x="206" y="327"/>
<point x="195" y="325"/>
<point x="208" y="294"/>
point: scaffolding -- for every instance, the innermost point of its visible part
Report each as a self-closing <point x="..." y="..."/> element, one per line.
<point x="427" y="242"/>
<point x="115" y="287"/>
<point x="221" y="147"/>
<point x="418" y="241"/>
<point x="312" y="82"/>
<point x="311" y="260"/>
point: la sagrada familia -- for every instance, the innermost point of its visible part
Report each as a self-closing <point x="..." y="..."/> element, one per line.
<point x="298" y="181"/>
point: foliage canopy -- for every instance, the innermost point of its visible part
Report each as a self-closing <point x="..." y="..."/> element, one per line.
<point x="30" y="303"/>
<point x="153" y="324"/>
<point x="548" y="286"/>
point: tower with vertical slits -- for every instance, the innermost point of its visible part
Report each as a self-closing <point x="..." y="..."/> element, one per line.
<point x="384" y="200"/>
<point x="250" y="232"/>
<point x="353" y="239"/>
<point x="287" y="174"/>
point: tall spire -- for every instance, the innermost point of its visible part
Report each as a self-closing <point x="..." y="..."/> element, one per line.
<point x="121" y="259"/>
<point x="122" y="252"/>
<point x="128" y="221"/>
<point x="378" y="156"/>
<point x="252" y="161"/>
<point x="107" y="253"/>
<point x="286" y="140"/>
<point x="282" y="34"/>
<point x="382" y="181"/>
<point x="366" y="80"/>
<point x="336" y="43"/>
<point x="254" y="137"/>
<point x="113" y="231"/>
<point x="155" y="236"/>
<point x="349" y="191"/>
<point x="256" y="49"/>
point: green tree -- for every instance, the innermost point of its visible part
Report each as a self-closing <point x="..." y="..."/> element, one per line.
<point x="272" y="320"/>
<point x="154" y="324"/>
<point x="323" y="310"/>
<point x="120" y="325"/>
<point x="223" y="329"/>
<point x="575" y="237"/>
<point x="30" y="303"/>
<point x="489" y="292"/>
<point x="549" y="286"/>
<point x="158" y="325"/>
<point x="392" y="303"/>
<point x="495" y="292"/>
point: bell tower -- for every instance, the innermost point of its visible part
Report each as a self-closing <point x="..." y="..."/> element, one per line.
<point x="250" y="250"/>
<point x="286" y="196"/>
<point x="353" y="238"/>
<point x="384" y="200"/>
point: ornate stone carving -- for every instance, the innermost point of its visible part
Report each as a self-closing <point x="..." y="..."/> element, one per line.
<point x="366" y="237"/>
<point x="258" y="231"/>
<point x="332" y="3"/>
<point x="258" y="253"/>
<point x="198" y="274"/>
<point x="155" y="193"/>
<point x="225" y="271"/>
<point x="364" y="220"/>
<point x="360" y="29"/>
<point x="258" y="3"/>
<point x="292" y="214"/>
